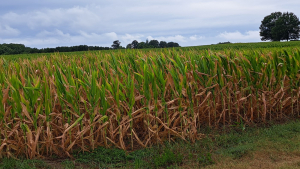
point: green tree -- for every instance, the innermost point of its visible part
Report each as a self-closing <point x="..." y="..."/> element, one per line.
<point x="142" y="45"/>
<point x="134" y="44"/>
<point x="129" y="46"/>
<point x="163" y="44"/>
<point x="116" y="44"/>
<point x="267" y="24"/>
<point x="280" y="26"/>
<point x="154" y="43"/>
<point x="289" y="27"/>
<point x="173" y="44"/>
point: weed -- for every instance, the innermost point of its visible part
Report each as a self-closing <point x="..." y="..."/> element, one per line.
<point x="205" y="160"/>
<point x="139" y="163"/>
<point x="239" y="151"/>
<point x="103" y="157"/>
<point x="167" y="158"/>
<point x="67" y="164"/>
<point x="9" y="163"/>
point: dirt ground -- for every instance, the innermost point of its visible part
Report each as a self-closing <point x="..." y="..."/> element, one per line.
<point x="261" y="159"/>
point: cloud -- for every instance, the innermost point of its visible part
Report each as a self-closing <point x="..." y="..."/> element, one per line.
<point x="128" y="38"/>
<point x="249" y="35"/>
<point x="56" y="37"/>
<point x="176" y="38"/>
<point x="7" y="31"/>
<point x="137" y="17"/>
<point x="196" y="37"/>
<point x="59" y="38"/>
<point x="191" y="22"/>
<point x="70" y="18"/>
<point x="55" y="33"/>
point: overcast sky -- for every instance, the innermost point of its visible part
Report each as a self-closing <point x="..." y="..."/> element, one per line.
<point x="45" y="23"/>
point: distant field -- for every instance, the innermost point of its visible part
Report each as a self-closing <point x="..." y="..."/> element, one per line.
<point x="256" y="45"/>
<point x="57" y="104"/>
<point x="238" y="46"/>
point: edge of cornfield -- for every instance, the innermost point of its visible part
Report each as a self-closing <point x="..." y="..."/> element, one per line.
<point x="270" y="145"/>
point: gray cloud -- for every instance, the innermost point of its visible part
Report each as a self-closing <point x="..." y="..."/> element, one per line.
<point x="250" y="35"/>
<point x="192" y="22"/>
<point x="7" y="31"/>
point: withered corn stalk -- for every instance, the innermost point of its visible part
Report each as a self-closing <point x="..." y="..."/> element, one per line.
<point x="138" y="98"/>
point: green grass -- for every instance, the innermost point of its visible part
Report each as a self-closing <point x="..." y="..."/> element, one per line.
<point x="217" y="145"/>
<point x="22" y="164"/>
<point x="67" y="164"/>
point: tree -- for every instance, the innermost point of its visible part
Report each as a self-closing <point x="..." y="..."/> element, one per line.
<point x="267" y="24"/>
<point x="163" y="44"/>
<point x="280" y="26"/>
<point x="173" y="44"/>
<point x="129" y="46"/>
<point x="134" y="44"/>
<point x="116" y="44"/>
<point x="290" y="26"/>
<point x="154" y="43"/>
<point x="142" y="45"/>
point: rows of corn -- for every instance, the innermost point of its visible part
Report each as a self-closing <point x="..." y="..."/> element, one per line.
<point x="127" y="99"/>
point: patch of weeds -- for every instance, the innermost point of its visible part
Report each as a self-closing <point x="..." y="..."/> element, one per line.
<point x="239" y="151"/>
<point x="285" y="131"/>
<point x="139" y="163"/>
<point x="205" y="144"/>
<point x="167" y="158"/>
<point x="281" y="137"/>
<point x="38" y="164"/>
<point x="140" y="158"/>
<point x="233" y="139"/>
<point x="205" y="160"/>
<point x="142" y="153"/>
<point x="67" y="164"/>
<point x="103" y="157"/>
<point x="22" y="164"/>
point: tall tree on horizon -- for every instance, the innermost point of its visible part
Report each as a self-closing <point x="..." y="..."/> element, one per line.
<point x="116" y="44"/>
<point x="134" y="44"/>
<point x="280" y="26"/>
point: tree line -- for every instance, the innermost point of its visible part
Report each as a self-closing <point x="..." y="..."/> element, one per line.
<point x="11" y="49"/>
<point x="148" y="44"/>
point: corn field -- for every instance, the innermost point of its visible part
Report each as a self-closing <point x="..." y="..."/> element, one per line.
<point x="127" y="99"/>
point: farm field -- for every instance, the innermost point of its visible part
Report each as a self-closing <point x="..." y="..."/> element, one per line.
<point x="215" y="47"/>
<point x="59" y="104"/>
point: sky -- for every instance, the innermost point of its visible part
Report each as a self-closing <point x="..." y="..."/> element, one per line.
<point x="52" y="23"/>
